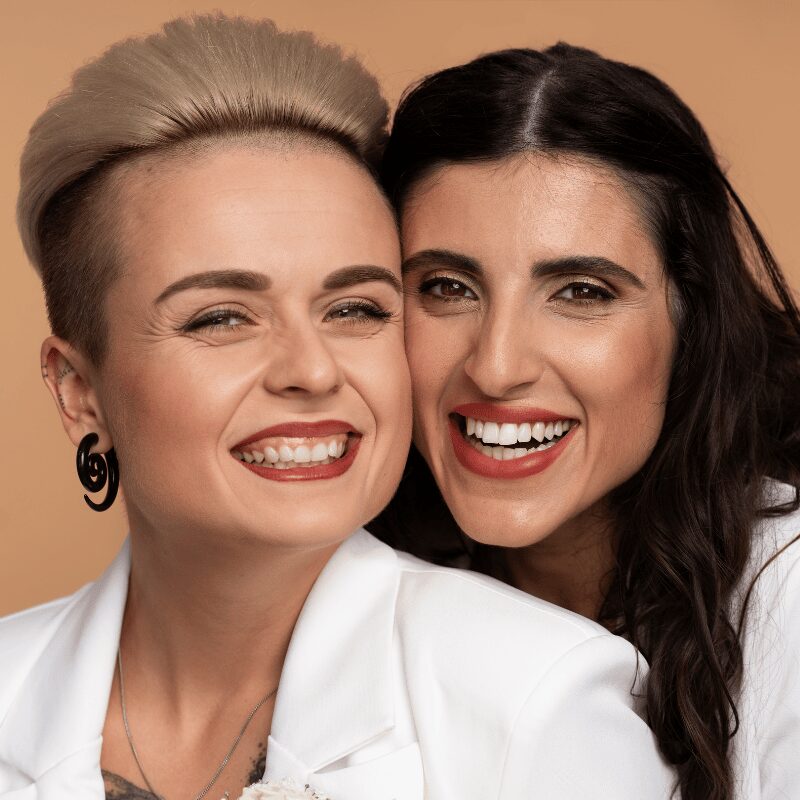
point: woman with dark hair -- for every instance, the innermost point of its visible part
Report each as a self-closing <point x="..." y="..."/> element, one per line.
<point x="606" y="368"/>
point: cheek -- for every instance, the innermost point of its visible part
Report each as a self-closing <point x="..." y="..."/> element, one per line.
<point x="377" y="368"/>
<point x="430" y="366"/>
<point x="172" y="409"/>
<point x="621" y="377"/>
<point x="377" y="371"/>
<point x="436" y="348"/>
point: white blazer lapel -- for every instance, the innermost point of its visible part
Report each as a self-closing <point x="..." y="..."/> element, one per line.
<point x="336" y="690"/>
<point x="51" y="733"/>
<point x="395" y="776"/>
<point x="336" y="693"/>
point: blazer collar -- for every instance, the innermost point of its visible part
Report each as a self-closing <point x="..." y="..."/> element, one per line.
<point x="336" y="689"/>
<point x="60" y="709"/>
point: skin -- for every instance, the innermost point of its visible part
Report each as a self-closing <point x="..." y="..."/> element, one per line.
<point x="222" y="559"/>
<point x="592" y="346"/>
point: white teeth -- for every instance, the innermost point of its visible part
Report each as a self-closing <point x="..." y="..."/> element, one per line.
<point x="496" y="440"/>
<point x="491" y="433"/>
<point x="302" y="454"/>
<point x="319" y="452"/>
<point x="507" y="434"/>
<point x="286" y="457"/>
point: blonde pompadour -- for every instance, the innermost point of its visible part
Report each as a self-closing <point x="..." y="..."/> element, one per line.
<point x="207" y="77"/>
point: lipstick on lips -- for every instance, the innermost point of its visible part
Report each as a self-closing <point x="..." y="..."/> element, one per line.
<point x="300" y="451"/>
<point x="498" y="442"/>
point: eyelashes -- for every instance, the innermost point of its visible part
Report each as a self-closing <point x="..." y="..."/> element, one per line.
<point x="350" y="313"/>
<point x="358" y="312"/>
<point x="582" y="292"/>
<point x="361" y="313"/>
<point x="447" y="289"/>
<point x="214" y="320"/>
<point x="585" y="292"/>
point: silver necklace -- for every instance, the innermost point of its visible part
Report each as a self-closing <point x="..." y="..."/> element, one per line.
<point x="225" y="760"/>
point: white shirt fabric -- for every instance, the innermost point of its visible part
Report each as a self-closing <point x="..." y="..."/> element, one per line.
<point x="766" y="750"/>
<point x="403" y="681"/>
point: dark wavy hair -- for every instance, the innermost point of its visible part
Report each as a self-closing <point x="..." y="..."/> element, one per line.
<point x="685" y="520"/>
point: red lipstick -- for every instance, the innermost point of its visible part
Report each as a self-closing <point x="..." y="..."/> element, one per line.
<point x="491" y="413"/>
<point x="318" y="473"/>
<point x="300" y="430"/>
<point x="522" y="467"/>
<point x="305" y="430"/>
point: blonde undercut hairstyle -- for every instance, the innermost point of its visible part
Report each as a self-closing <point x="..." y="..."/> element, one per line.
<point x="207" y="78"/>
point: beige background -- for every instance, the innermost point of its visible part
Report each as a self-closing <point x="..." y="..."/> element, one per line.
<point x="737" y="65"/>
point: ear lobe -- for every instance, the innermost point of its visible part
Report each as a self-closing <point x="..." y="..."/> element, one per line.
<point x="68" y="377"/>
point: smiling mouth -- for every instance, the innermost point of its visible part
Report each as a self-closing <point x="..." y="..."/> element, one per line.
<point x="300" y="451"/>
<point x="508" y="441"/>
<point x="281" y="452"/>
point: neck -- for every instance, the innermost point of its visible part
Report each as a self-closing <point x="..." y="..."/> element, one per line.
<point x="213" y="618"/>
<point x="572" y="567"/>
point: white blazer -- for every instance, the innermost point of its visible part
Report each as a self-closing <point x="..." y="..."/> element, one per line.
<point x="403" y="681"/>
<point x="766" y="750"/>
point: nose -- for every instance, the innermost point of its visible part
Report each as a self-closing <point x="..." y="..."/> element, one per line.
<point x="504" y="361"/>
<point x="301" y="363"/>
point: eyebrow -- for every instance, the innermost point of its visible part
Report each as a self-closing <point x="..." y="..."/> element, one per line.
<point x="218" y="279"/>
<point x="258" y="282"/>
<point x="598" y="265"/>
<point x="361" y="273"/>
<point x="426" y="259"/>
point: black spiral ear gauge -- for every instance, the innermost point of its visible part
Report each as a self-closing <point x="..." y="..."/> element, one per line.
<point x="97" y="469"/>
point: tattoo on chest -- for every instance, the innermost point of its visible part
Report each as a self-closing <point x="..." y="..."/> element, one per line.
<point x="259" y="765"/>
<point x="117" y="788"/>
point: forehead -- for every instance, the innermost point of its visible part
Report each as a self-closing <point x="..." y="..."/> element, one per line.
<point x="546" y="206"/>
<point x="274" y="209"/>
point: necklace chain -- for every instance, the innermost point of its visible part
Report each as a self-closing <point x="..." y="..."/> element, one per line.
<point x="225" y="760"/>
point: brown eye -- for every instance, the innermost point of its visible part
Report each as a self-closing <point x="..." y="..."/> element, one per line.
<point x="584" y="292"/>
<point x="447" y="288"/>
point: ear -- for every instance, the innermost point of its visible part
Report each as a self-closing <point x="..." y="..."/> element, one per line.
<point x="68" y="375"/>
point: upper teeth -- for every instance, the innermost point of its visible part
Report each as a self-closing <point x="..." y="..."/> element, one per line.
<point x="281" y="455"/>
<point x="507" y="433"/>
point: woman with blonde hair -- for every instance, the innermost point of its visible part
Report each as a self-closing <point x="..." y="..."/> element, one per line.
<point x="223" y="283"/>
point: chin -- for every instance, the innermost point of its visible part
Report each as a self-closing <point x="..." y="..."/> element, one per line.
<point x="310" y="529"/>
<point x="495" y="524"/>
